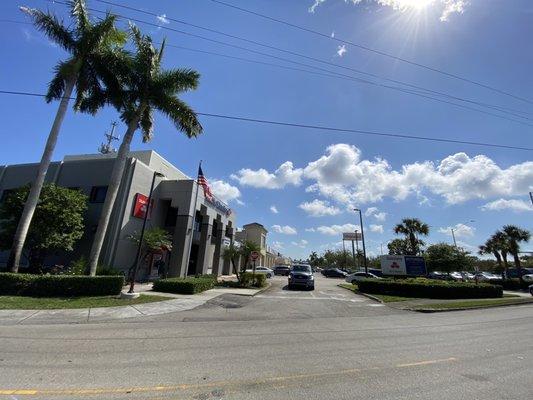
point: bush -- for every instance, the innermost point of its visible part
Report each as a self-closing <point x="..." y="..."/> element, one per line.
<point x="104" y="270"/>
<point x="185" y="285"/>
<point x="511" y="284"/>
<point x="59" y="285"/>
<point x="249" y="280"/>
<point x="429" y="289"/>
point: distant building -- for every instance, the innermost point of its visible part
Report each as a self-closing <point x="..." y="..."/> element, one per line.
<point x="257" y="233"/>
<point x="208" y="224"/>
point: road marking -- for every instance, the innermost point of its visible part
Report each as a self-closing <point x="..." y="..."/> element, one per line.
<point x="225" y="384"/>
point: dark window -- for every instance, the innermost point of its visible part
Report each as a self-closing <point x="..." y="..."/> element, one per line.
<point x="214" y="232"/>
<point x="172" y="214"/>
<point x="98" y="194"/>
<point x="198" y="222"/>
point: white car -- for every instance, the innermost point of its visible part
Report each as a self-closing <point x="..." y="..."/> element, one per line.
<point x="262" y="270"/>
<point x="358" y="276"/>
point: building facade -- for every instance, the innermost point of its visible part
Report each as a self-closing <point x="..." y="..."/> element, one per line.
<point x="200" y="227"/>
<point x="257" y="233"/>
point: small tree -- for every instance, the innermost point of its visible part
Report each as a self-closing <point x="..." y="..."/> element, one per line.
<point x="398" y="247"/>
<point x="246" y="250"/>
<point x="154" y="240"/>
<point x="57" y="221"/>
<point x="447" y="258"/>
<point x="232" y="255"/>
<point x="411" y="228"/>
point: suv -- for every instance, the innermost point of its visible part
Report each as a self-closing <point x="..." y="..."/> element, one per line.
<point x="302" y="275"/>
<point x="282" y="270"/>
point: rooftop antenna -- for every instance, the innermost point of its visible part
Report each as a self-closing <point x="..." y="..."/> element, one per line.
<point x="106" y="148"/>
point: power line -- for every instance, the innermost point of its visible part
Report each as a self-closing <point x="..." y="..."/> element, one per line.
<point x="324" y="127"/>
<point x="415" y="93"/>
<point x="360" y="46"/>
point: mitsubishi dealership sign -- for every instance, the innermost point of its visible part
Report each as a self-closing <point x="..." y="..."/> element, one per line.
<point x="403" y="265"/>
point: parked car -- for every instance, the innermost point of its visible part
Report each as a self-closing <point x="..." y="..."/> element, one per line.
<point x="487" y="277"/>
<point x="282" y="270"/>
<point x="262" y="270"/>
<point x="528" y="278"/>
<point x="438" y="275"/>
<point x="301" y="275"/>
<point x="467" y="276"/>
<point x="456" y="276"/>
<point x="357" y="276"/>
<point x="512" y="273"/>
<point x="376" y="272"/>
<point x="334" y="273"/>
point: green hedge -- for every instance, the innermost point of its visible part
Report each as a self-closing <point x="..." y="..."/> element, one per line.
<point x="430" y="289"/>
<point x="59" y="285"/>
<point x="185" y="285"/>
<point x="248" y="280"/>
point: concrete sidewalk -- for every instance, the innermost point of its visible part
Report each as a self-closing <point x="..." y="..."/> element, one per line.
<point x="84" y="315"/>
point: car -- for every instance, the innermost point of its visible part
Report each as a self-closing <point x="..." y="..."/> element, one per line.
<point x="467" y="276"/>
<point x="512" y="273"/>
<point x="282" y="270"/>
<point x="301" y="275"/>
<point x="437" y="275"/>
<point x="486" y="277"/>
<point x="357" y="276"/>
<point x="334" y="273"/>
<point x="376" y="272"/>
<point x="262" y="270"/>
<point x="527" y="278"/>
<point x="456" y="276"/>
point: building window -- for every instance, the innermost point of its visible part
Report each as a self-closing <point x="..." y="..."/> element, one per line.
<point x="214" y="231"/>
<point x="172" y="215"/>
<point x="198" y="222"/>
<point x="98" y="194"/>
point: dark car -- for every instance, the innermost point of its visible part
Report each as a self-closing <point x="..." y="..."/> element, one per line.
<point x="282" y="270"/>
<point x="302" y="276"/>
<point x="334" y="273"/>
<point x="512" y="273"/>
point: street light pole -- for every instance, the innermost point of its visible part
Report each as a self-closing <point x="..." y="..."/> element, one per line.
<point x="453" y="236"/>
<point x="141" y="238"/>
<point x="362" y="237"/>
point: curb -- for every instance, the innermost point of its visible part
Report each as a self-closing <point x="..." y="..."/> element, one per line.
<point x="437" y="310"/>
<point x="369" y="296"/>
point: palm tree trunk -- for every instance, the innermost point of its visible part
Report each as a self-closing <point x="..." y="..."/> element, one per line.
<point x="505" y="264"/>
<point x="112" y="191"/>
<point x="35" y="191"/>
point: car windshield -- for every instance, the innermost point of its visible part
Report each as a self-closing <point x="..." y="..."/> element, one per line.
<point x="301" y="268"/>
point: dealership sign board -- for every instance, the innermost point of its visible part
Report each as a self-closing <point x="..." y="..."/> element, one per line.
<point x="352" y="236"/>
<point x="403" y="265"/>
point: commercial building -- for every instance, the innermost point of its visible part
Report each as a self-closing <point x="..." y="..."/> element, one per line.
<point x="200" y="227"/>
<point x="257" y="233"/>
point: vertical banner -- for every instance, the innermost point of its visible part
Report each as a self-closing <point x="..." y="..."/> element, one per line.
<point x="141" y="206"/>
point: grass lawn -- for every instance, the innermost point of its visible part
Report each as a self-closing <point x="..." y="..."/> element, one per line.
<point x="466" y="304"/>
<point x="52" y="303"/>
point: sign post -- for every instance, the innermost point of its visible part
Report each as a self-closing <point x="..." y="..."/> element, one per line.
<point x="254" y="255"/>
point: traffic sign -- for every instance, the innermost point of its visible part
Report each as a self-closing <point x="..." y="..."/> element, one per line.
<point x="254" y="255"/>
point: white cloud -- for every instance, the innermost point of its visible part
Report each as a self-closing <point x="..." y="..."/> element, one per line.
<point x="319" y="208"/>
<point x="302" y="243"/>
<point x="310" y="230"/>
<point x="278" y="245"/>
<point x="286" y="229"/>
<point x="286" y="174"/>
<point x="376" y="228"/>
<point x="337" y="229"/>
<point x="274" y="209"/>
<point x="445" y="7"/>
<point x="374" y="212"/>
<point x="341" y="50"/>
<point x="162" y="19"/>
<point x="225" y="191"/>
<point x="459" y="230"/>
<point x="504" y="204"/>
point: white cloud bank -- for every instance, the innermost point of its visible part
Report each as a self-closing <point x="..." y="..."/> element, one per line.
<point x="225" y="191"/>
<point x="342" y="175"/>
<point x="319" y="208"/>
<point x="376" y="228"/>
<point x="459" y="230"/>
<point x="286" y="229"/>
<point x="274" y="209"/>
<point x="446" y="7"/>
<point x="511" y="204"/>
<point x="333" y="230"/>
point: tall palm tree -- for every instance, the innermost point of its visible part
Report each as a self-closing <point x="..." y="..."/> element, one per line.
<point x="146" y="88"/>
<point x="515" y="235"/>
<point x="91" y="46"/>
<point x="411" y="228"/>
<point x="500" y="242"/>
<point x="491" y="247"/>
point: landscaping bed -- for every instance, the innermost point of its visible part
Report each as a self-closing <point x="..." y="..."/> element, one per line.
<point x="247" y="281"/>
<point x="59" y="285"/>
<point x="190" y="285"/>
<point x="55" y="303"/>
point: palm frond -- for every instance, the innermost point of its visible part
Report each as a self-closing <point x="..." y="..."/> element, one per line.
<point x="177" y="80"/>
<point x="105" y="34"/>
<point x="78" y="9"/>
<point x="52" y="27"/>
<point x="62" y="72"/>
<point x="183" y="117"/>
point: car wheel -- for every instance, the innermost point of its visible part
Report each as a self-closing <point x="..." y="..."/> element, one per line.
<point x="269" y="276"/>
<point x="312" y="287"/>
<point x="354" y="282"/>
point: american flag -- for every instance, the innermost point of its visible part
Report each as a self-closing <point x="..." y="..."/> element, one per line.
<point x="202" y="181"/>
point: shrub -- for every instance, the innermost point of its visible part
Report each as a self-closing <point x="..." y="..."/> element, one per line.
<point x="185" y="285"/>
<point x="104" y="270"/>
<point x="249" y="280"/>
<point x="430" y="289"/>
<point x="59" y="285"/>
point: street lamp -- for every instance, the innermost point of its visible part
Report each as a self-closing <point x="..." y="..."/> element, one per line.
<point x="362" y="237"/>
<point x="453" y="231"/>
<point x="141" y="238"/>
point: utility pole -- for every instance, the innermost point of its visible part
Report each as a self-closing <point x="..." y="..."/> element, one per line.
<point x="531" y="197"/>
<point x="453" y="236"/>
<point x="362" y="237"/>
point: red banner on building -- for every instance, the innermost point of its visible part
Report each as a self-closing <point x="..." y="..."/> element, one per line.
<point x="141" y="204"/>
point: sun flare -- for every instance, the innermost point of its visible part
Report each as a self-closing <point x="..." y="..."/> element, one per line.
<point x="405" y="5"/>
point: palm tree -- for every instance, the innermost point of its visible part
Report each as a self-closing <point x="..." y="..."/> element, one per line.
<point x="91" y="47"/>
<point x="146" y="88"/>
<point x="411" y="228"/>
<point x="501" y="243"/>
<point x="246" y="250"/>
<point x="232" y="255"/>
<point x="515" y="235"/>
<point x="491" y="247"/>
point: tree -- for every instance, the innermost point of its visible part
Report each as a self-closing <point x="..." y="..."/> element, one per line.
<point x="515" y="235"/>
<point x="154" y="240"/>
<point x="501" y="243"/>
<point x="91" y="47"/>
<point x="398" y="247"/>
<point x="315" y="260"/>
<point x="491" y="247"/>
<point x="447" y="258"/>
<point x="146" y="88"/>
<point x="246" y="250"/>
<point x="411" y="228"/>
<point x="232" y="255"/>
<point x="57" y="221"/>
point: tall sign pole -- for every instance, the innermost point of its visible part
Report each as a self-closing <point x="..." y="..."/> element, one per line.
<point x="531" y="197"/>
<point x="362" y="238"/>
<point x="193" y="220"/>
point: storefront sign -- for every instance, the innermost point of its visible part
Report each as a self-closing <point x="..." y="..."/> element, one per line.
<point x="353" y="236"/>
<point x="219" y="205"/>
<point x="403" y="265"/>
<point x="140" y="207"/>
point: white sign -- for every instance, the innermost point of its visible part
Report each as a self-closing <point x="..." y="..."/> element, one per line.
<point x="352" y="236"/>
<point x="393" y="265"/>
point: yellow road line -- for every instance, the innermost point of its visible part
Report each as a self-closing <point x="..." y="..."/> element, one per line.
<point x="185" y="387"/>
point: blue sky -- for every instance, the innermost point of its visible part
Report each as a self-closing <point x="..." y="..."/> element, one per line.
<point x="321" y="175"/>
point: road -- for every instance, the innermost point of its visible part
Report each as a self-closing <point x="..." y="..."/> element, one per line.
<point x="326" y="344"/>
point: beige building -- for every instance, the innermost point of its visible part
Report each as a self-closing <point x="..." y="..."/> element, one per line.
<point x="257" y="233"/>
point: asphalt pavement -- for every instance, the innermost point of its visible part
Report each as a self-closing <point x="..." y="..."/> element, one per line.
<point x="280" y="344"/>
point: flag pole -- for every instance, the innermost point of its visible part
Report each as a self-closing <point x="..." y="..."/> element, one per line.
<point x="193" y="221"/>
